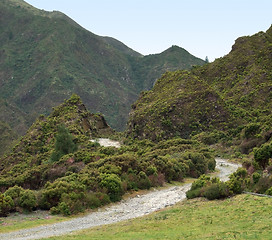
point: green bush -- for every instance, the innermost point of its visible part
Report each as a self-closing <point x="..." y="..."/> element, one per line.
<point x="269" y="191"/>
<point x="15" y="192"/>
<point x="27" y="200"/>
<point x="262" y="154"/>
<point x="63" y="143"/>
<point x="235" y="185"/>
<point x="211" y="164"/>
<point x="216" y="191"/>
<point x="103" y="198"/>
<point x="241" y="172"/>
<point x="62" y="208"/>
<point x="92" y="201"/>
<point x="200" y="182"/>
<point x="198" y="165"/>
<point x="251" y="130"/>
<point x="113" y="185"/>
<point x="76" y="202"/>
<point x="263" y="185"/>
<point x="110" y="168"/>
<point x="151" y="170"/>
<point x="193" y="193"/>
<point x="256" y="177"/>
<point x="6" y="204"/>
<point x="143" y="181"/>
<point x="52" y="192"/>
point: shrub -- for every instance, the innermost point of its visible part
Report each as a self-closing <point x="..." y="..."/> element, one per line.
<point x="235" y="185"/>
<point x="151" y="170"/>
<point x="143" y="181"/>
<point x="263" y="185"/>
<point x="6" y="204"/>
<point x="262" y="154"/>
<point x="256" y="177"/>
<point x="211" y="164"/>
<point x="193" y="193"/>
<point x="14" y="192"/>
<point x="62" y="208"/>
<point x="216" y="191"/>
<point x="103" y="198"/>
<point x="269" y="191"/>
<point x="251" y="130"/>
<point x="27" y="200"/>
<point x="198" y="164"/>
<point x="113" y="185"/>
<point x="92" y="201"/>
<point x="108" y="150"/>
<point x="110" y="168"/>
<point x="200" y="182"/>
<point x="75" y="202"/>
<point x="63" y="143"/>
<point x="52" y="193"/>
<point x="241" y="172"/>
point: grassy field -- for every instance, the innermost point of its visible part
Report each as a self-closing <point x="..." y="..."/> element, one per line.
<point x="22" y="221"/>
<point x="241" y="217"/>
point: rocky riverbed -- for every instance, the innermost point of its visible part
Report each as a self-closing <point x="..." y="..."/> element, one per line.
<point x="124" y="210"/>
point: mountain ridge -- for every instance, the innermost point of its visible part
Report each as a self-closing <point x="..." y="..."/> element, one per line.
<point x="239" y="86"/>
<point x="46" y="58"/>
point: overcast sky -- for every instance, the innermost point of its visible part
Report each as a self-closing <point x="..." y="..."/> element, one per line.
<point x="202" y="27"/>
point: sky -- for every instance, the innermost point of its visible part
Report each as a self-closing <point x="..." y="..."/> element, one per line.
<point x="202" y="27"/>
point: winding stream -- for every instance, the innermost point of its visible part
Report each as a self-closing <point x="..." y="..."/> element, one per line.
<point x="126" y="209"/>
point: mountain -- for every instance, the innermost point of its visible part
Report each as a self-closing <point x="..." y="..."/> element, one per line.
<point x="231" y="96"/>
<point x="46" y="56"/>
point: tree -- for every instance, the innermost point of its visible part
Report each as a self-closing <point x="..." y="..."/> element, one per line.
<point x="64" y="143"/>
<point x="262" y="155"/>
<point x="207" y="59"/>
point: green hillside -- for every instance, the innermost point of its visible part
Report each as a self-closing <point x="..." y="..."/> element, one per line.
<point x="57" y="165"/>
<point x="46" y="56"/>
<point x="179" y="104"/>
<point x="229" y="98"/>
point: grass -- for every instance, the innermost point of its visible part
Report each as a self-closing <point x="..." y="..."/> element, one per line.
<point x="240" y="217"/>
<point x="23" y="221"/>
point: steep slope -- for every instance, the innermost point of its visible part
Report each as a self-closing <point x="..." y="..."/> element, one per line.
<point x="233" y="92"/>
<point x="179" y="104"/>
<point x="46" y="59"/>
<point x="29" y="160"/>
<point x="243" y="77"/>
<point x="46" y="56"/>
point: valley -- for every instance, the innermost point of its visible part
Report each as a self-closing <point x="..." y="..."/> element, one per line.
<point x="94" y="133"/>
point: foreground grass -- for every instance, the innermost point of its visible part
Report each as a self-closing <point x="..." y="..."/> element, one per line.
<point x="240" y="217"/>
<point x="23" y="221"/>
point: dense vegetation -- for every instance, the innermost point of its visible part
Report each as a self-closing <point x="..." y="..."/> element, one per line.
<point x="45" y="57"/>
<point x="55" y="165"/>
<point x="229" y="99"/>
<point x="226" y="104"/>
<point x="180" y="104"/>
<point x="255" y="176"/>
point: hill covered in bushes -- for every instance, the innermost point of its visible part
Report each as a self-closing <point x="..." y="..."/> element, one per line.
<point x="56" y="166"/>
<point x="228" y="99"/>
